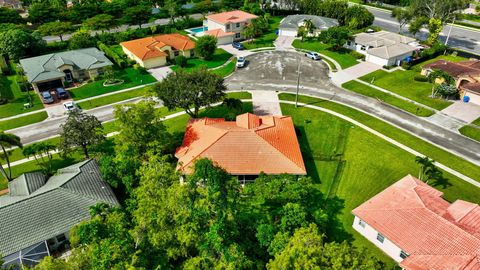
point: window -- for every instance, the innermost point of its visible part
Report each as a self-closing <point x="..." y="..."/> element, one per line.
<point x="361" y="223"/>
<point x="403" y="254"/>
<point x="380" y="238"/>
<point x="237" y="25"/>
<point x="227" y="26"/>
<point x="349" y="43"/>
<point x="237" y="35"/>
<point x="363" y="48"/>
<point x="176" y="53"/>
<point x="61" y="238"/>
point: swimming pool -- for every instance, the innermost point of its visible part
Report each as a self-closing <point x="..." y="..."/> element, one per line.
<point x="197" y="30"/>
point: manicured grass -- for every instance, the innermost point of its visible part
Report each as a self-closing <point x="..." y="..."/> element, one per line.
<point x="267" y="39"/>
<point x="10" y="90"/>
<point x="23" y="121"/>
<point x="387" y="98"/>
<point x="132" y="77"/>
<point x="471" y="131"/>
<point x="402" y="83"/>
<point x="97" y="102"/>
<point x="219" y="58"/>
<point x="476" y="122"/>
<point x="451" y="58"/>
<point x="328" y="143"/>
<point x="239" y="95"/>
<point x="440" y="155"/>
<point x="342" y="56"/>
<point x="226" y="70"/>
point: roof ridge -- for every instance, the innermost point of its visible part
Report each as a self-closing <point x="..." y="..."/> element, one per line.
<point x="193" y="159"/>
<point x="465" y="215"/>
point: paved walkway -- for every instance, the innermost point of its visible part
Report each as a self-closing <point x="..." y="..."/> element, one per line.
<point x="228" y="48"/>
<point x="466" y="112"/>
<point x="352" y="73"/>
<point x="390" y="140"/>
<point x="284" y="43"/>
<point x="266" y="103"/>
<point x="160" y="73"/>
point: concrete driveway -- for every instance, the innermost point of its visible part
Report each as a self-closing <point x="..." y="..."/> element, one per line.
<point x="284" y="43"/>
<point x="351" y="73"/>
<point x="235" y="52"/>
<point x="160" y="73"/>
<point x="466" y="112"/>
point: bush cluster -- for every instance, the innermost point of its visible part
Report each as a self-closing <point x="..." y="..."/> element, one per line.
<point x="420" y="78"/>
<point x="115" y="57"/>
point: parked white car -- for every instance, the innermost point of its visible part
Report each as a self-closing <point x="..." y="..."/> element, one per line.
<point x="241" y="61"/>
<point x="313" y="55"/>
<point x="70" y="106"/>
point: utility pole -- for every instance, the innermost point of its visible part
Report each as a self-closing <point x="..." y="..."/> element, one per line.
<point x="450" y="30"/>
<point x="298" y="81"/>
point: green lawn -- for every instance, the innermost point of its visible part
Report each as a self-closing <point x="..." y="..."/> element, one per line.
<point x="267" y="39"/>
<point x="227" y="69"/>
<point x="239" y="95"/>
<point x="451" y="58"/>
<point x="387" y="98"/>
<point x="402" y="83"/>
<point x="97" y="102"/>
<point x="132" y="77"/>
<point x="219" y="58"/>
<point x="23" y="121"/>
<point x="118" y="50"/>
<point x="438" y="154"/>
<point x="342" y="56"/>
<point x="471" y="131"/>
<point x="350" y="163"/>
<point x="476" y="122"/>
<point x="10" y="90"/>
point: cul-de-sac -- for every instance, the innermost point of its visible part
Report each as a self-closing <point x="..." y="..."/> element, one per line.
<point x="240" y="134"/>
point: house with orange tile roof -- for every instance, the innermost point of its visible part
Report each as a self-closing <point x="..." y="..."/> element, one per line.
<point x="415" y="226"/>
<point x="155" y="51"/>
<point x="245" y="147"/>
<point x="228" y="26"/>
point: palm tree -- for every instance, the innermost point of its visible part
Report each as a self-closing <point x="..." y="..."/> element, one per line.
<point x="8" y="140"/>
<point x="309" y="26"/>
<point x="439" y="74"/>
<point x="428" y="170"/>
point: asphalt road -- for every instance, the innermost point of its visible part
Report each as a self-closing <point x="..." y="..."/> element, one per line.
<point x="277" y="71"/>
<point x="460" y="38"/>
<point x="121" y="28"/>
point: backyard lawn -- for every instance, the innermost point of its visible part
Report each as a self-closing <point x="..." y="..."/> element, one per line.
<point x="267" y="39"/>
<point x="366" y="90"/>
<point x="10" y="90"/>
<point x="219" y="58"/>
<point x="342" y="56"/>
<point x="349" y="165"/>
<point x="402" y="83"/>
<point x="406" y="138"/>
<point x="131" y="77"/>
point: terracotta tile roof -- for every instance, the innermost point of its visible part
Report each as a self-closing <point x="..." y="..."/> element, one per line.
<point x="218" y="33"/>
<point x="150" y="47"/>
<point x="234" y="16"/>
<point x="436" y="234"/>
<point x="248" y="146"/>
<point x="471" y="86"/>
<point x="465" y="68"/>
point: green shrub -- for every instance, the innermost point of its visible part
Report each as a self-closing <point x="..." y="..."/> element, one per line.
<point x="420" y="78"/>
<point x="181" y="61"/>
<point x="117" y="59"/>
<point x="357" y="55"/>
<point x="98" y="78"/>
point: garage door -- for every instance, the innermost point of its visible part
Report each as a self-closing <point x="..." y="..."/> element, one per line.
<point x="288" y="33"/>
<point x="47" y="86"/>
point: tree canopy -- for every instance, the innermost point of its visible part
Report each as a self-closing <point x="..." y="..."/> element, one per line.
<point x="205" y="46"/>
<point x="55" y="29"/>
<point x="8" y="15"/>
<point x="18" y="42"/>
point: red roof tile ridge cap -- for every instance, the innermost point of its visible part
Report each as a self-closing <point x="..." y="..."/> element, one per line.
<point x="468" y="212"/>
<point x="206" y="148"/>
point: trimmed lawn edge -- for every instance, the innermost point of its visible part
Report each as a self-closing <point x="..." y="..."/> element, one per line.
<point x="471" y="131"/>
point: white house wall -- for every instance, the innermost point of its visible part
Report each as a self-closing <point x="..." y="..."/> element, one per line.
<point x="370" y="233"/>
<point x="377" y="60"/>
<point x="214" y="25"/>
<point x="287" y="32"/>
<point x="474" y="98"/>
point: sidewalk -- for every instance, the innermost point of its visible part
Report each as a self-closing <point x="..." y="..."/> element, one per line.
<point x="363" y="68"/>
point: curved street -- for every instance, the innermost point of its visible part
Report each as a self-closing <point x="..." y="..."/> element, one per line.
<point x="277" y="71"/>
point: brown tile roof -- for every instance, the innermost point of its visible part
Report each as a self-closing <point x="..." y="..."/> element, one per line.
<point x="436" y="234"/>
<point x="218" y="33"/>
<point x="248" y="146"/>
<point x="470" y="67"/>
<point x="234" y="16"/>
<point x="149" y="47"/>
<point x="471" y="86"/>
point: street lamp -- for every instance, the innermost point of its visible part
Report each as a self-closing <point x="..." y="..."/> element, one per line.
<point x="298" y="81"/>
<point x="450" y="30"/>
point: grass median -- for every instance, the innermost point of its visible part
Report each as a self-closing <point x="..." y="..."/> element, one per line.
<point x="387" y="98"/>
<point x="454" y="162"/>
<point x="23" y="121"/>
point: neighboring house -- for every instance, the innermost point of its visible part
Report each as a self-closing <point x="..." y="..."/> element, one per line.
<point x="412" y="224"/>
<point x="465" y="73"/>
<point x="290" y="24"/>
<point x="228" y="26"/>
<point x="246" y="147"/>
<point x="155" y="51"/>
<point x="13" y="4"/>
<point x="37" y="214"/>
<point x="383" y="48"/>
<point x="47" y="72"/>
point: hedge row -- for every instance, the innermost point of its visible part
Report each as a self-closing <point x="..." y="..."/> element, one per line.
<point x="118" y="59"/>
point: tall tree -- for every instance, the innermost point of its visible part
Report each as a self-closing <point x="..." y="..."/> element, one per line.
<point x="189" y="90"/>
<point x="205" y="46"/>
<point x="403" y="16"/>
<point x="335" y="36"/>
<point x="441" y="10"/>
<point x="81" y="39"/>
<point x="17" y="42"/>
<point x="8" y="15"/>
<point x="100" y="22"/>
<point x="42" y="12"/>
<point x="43" y="154"/>
<point x="358" y="17"/>
<point x="55" y="29"/>
<point x="8" y="140"/>
<point x="172" y="9"/>
<point x="307" y="250"/>
<point x="137" y="15"/>
<point x="309" y="26"/>
<point x="80" y="130"/>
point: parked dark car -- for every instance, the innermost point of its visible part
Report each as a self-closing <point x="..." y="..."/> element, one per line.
<point x="62" y="93"/>
<point x="47" y="98"/>
<point x="238" y="45"/>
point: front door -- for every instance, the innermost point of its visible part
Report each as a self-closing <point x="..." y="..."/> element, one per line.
<point x="68" y="75"/>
